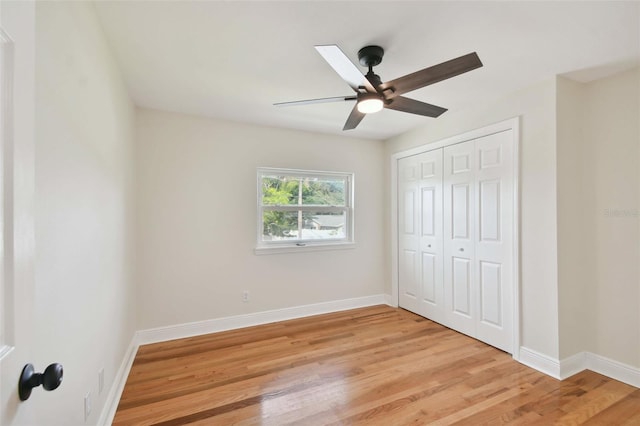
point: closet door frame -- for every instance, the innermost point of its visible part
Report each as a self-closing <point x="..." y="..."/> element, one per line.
<point x="512" y="124"/>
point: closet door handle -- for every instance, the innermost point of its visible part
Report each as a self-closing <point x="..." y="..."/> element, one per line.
<point x="429" y="245"/>
<point x="461" y="249"/>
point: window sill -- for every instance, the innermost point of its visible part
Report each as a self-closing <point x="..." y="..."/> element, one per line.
<point x="303" y="249"/>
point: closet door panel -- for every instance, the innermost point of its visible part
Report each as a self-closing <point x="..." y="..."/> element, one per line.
<point x="459" y="233"/>
<point x="431" y="236"/>
<point x="420" y="234"/>
<point x="429" y="278"/>
<point x="489" y="198"/>
<point x="428" y="196"/>
<point x="494" y="251"/>
<point x="460" y="208"/>
<point x="461" y="283"/>
<point x="408" y="234"/>
<point x="407" y="275"/>
<point x="490" y="280"/>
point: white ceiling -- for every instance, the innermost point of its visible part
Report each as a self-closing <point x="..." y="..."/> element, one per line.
<point x="233" y="60"/>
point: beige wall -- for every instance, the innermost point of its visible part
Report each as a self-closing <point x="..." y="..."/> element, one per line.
<point x="538" y="231"/>
<point x="610" y="183"/>
<point x="598" y="184"/>
<point x="84" y="294"/>
<point x="575" y="289"/>
<point x="196" y="226"/>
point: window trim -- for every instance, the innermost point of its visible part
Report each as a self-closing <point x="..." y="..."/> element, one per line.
<point x="289" y="246"/>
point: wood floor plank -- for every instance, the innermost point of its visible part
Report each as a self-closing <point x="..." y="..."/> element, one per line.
<point x="624" y="408"/>
<point x="373" y="366"/>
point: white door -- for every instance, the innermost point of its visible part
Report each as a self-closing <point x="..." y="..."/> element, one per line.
<point x="17" y="21"/>
<point x="420" y="232"/>
<point x="459" y="231"/>
<point x="478" y="256"/>
<point x="430" y="278"/>
<point x="494" y="237"/>
<point x="408" y="234"/>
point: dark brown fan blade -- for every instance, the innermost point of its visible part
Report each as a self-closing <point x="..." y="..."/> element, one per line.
<point x="400" y="103"/>
<point x="316" y="101"/>
<point x="344" y="67"/>
<point x="354" y="119"/>
<point x="431" y="75"/>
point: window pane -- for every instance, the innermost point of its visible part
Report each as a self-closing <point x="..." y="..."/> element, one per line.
<point x="279" y="226"/>
<point x="323" y="226"/>
<point x="280" y="190"/>
<point x="283" y="226"/>
<point x="323" y="191"/>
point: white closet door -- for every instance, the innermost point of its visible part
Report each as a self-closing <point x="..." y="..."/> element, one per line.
<point x="408" y="234"/>
<point x="431" y="279"/>
<point x="459" y="237"/>
<point x="421" y="288"/>
<point x="455" y="245"/>
<point x="494" y="229"/>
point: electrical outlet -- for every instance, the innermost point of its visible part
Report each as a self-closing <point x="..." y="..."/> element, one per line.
<point x="245" y="296"/>
<point x="87" y="406"/>
<point x="100" y="380"/>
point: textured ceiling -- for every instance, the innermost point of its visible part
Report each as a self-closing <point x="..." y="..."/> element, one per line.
<point x="233" y="60"/>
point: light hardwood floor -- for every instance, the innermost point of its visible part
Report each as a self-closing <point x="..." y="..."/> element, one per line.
<point x="373" y="366"/>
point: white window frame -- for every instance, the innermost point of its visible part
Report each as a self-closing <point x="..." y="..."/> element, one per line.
<point x="289" y="246"/>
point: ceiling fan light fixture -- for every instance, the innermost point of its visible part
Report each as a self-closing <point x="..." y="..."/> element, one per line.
<point x="369" y="104"/>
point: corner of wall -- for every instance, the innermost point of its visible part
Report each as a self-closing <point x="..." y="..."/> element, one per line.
<point x="574" y="279"/>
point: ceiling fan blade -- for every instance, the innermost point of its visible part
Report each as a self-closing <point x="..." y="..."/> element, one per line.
<point x="400" y="103"/>
<point x="344" y="67"/>
<point x="431" y="75"/>
<point x="316" y="101"/>
<point x="354" y="119"/>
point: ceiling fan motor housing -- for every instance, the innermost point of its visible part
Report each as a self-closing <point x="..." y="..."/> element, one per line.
<point x="370" y="56"/>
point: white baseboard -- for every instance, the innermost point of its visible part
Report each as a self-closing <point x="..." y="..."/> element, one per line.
<point x="113" y="397"/>
<point x="573" y="365"/>
<point x="388" y="300"/>
<point x="541" y="362"/>
<point x="172" y="332"/>
<point x="606" y="366"/>
<point x="578" y="362"/>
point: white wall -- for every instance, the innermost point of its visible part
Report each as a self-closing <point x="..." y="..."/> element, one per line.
<point x="84" y="294"/>
<point x="538" y="235"/>
<point x="196" y="220"/>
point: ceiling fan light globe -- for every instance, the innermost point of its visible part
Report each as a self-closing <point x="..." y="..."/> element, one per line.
<point x="369" y="106"/>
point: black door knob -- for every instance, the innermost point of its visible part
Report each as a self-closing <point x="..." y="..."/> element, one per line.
<point x="29" y="379"/>
<point x="52" y="377"/>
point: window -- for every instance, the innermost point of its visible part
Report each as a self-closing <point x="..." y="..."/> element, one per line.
<point x="304" y="209"/>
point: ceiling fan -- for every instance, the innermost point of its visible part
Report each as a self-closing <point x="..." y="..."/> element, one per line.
<point x="372" y="94"/>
